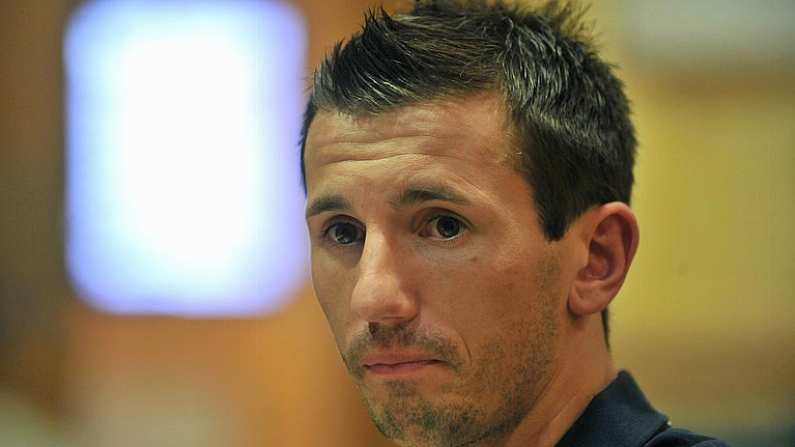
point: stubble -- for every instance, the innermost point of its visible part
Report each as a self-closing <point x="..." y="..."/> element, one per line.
<point x="489" y="399"/>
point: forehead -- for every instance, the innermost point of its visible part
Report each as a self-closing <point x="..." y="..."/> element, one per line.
<point x="474" y="129"/>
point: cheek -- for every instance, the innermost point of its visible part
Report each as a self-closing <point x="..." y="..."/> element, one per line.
<point x="488" y="287"/>
<point x="495" y="296"/>
<point x="332" y="292"/>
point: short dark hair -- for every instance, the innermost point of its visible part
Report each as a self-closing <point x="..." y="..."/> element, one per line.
<point x="577" y="141"/>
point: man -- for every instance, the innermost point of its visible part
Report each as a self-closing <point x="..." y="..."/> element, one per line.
<point x="468" y="169"/>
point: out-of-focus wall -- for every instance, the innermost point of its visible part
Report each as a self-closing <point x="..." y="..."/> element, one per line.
<point x="706" y="318"/>
<point x="33" y="289"/>
<point x="705" y="321"/>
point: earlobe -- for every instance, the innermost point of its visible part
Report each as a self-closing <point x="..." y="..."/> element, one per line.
<point x="610" y="239"/>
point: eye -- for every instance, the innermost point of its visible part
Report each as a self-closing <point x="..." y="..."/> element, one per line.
<point x="444" y="227"/>
<point x="344" y="233"/>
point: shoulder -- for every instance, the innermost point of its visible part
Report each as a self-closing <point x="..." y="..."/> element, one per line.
<point x="677" y="437"/>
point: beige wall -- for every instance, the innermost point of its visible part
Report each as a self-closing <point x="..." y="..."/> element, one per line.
<point x="707" y="315"/>
<point x="705" y="320"/>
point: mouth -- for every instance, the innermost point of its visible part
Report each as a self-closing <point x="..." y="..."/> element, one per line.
<point x="399" y="365"/>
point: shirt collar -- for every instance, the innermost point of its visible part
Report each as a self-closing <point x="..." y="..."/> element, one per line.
<point x="619" y="415"/>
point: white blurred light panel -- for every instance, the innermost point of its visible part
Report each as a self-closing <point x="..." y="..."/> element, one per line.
<point x="709" y="34"/>
<point x="183" y="195"/>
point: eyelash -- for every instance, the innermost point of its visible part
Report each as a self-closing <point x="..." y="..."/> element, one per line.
<point x="465" y="227"/>
<point x="326" y="234"/>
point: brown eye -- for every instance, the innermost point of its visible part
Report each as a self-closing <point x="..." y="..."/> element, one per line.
<point x="445" y="227"/>
<point x="344" y="233"/>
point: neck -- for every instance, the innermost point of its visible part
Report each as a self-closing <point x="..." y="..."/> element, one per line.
<point x="584" y="368"/>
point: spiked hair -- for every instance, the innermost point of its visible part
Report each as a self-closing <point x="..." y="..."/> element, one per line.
<point x="577" y="143"/>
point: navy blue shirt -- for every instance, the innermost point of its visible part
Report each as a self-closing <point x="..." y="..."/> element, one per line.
<point x="620" y="416"/>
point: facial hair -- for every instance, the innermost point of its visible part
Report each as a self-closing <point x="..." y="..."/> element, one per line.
<point x="510" y="377"/>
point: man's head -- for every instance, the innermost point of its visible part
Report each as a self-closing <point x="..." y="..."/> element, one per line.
<point x="467" y="168"/>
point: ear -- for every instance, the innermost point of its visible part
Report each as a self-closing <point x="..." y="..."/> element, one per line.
<point x="609" y="238"/>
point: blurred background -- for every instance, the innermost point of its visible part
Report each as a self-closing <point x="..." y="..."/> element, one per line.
<point x="153" y="267"/>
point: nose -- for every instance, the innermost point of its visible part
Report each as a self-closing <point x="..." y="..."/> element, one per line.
<point x="382" y="292"/>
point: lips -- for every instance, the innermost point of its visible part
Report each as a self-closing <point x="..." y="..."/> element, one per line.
<point x="392" y="363"/>
<point x="400" y="368"/>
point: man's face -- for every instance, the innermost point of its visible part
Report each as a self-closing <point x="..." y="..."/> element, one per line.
<point x="443" y="295"/>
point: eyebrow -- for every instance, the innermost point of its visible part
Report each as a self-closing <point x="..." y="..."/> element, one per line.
<point x="426" y="193"/>
<point x="410" y="196"/>
<point x="327" y="203"/>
